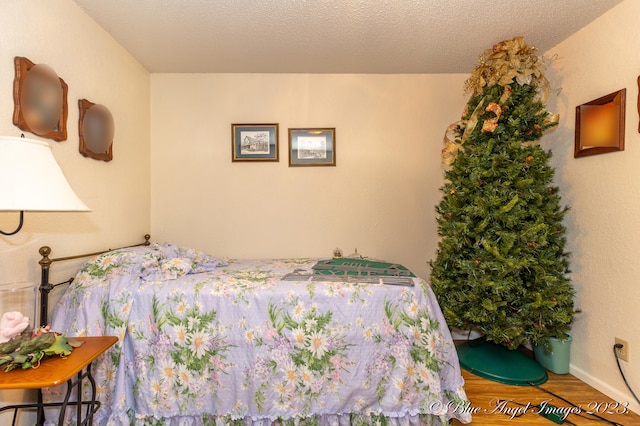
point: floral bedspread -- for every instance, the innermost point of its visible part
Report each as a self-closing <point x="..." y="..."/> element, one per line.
<point x="206" y="341"/>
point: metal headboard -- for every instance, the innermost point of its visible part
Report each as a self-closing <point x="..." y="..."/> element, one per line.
<point x="45" y="265"/>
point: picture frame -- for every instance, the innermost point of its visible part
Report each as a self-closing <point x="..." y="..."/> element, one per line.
<point x="600" y="125"/>
<point x="95" y="130"/>
<point x="254" y="142"/>
<point x="312" y="147"/>
<point x="638" y="104"/>
<point x="39" y="100"/>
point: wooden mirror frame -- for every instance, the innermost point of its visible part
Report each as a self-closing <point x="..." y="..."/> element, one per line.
<point x="639" y="103"/>
<point x="105" y="130"/>
<point x="605" y="117"/>
<point x="22" y="111"/>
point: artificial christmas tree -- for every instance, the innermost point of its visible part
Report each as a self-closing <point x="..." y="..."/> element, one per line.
<point x="501" y="266"/>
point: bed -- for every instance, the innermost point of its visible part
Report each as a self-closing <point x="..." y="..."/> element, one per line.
<point x="208" y="341"/>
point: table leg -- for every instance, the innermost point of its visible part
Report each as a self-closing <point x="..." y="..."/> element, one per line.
<point x="41" y="418"/>
<point x="79" y="400"/>
<point x="92" y="404"/>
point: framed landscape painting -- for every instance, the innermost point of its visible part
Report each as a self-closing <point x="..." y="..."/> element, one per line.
<point x="312" y="147"/>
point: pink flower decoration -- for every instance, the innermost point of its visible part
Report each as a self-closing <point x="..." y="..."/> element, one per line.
<point x="12" y="324"/>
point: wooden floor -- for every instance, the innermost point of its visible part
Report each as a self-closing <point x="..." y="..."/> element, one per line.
<point x="497" y="404"/>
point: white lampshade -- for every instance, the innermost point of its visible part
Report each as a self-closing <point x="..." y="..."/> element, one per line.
<point x="31" y="180"/>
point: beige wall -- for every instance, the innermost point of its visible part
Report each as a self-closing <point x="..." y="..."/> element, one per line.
<point x="59" y="34"/>
<point x="604" y="194"/>
<point x="379" y="199"/>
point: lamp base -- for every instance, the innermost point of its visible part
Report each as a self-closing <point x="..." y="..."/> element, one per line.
<point x="499" y="364"/>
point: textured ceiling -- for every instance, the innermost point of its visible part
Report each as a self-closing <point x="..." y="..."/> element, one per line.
<point x="332" y="36"/>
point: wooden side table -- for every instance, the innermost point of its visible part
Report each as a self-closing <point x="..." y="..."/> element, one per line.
<point x="55" y="371"/>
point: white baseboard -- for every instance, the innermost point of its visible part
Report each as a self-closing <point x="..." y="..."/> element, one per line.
<point x="615" y="394"/>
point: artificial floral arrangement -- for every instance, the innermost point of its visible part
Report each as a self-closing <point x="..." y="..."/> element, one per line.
<point x="25" y="348"/>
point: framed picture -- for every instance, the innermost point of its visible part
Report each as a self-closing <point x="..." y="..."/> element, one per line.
<point x="95" y="129"/>
<point x="600" y="125"/>
<point x="639" y="103"/>
<point x="254" y="142"/>
<point x="39" y="100"/>
<point x="312" y="147"/>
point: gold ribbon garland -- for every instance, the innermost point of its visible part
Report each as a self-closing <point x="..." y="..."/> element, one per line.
<point x="452" y="135"/>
